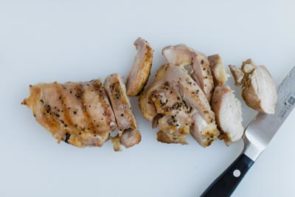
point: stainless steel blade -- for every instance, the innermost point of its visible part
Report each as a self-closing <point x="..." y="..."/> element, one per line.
<point x="261" y="130"/>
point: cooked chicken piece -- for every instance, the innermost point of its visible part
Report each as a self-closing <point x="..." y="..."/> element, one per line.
<point x="78" y="113"/>
<point x="176" y="127"/>
<point x="203" y="132"/>
<point x="194" y="62"/>
<point x="218" y="70"/>
<point x="122" y="109"/>
<point x="141" y="68"/>
<point x="258" y="87"/>
<point x="237" y="74"/>
<point x="173" y="95"/>
<point x="190" y="92"/>
<point x="172" y="113"/>
<point x="146" y="104"/>
<point x="202" y="74"/>
<point x="178" y="55"/>
<point x="228" y="113"/>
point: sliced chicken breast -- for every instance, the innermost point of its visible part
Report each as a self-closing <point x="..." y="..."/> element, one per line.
<point x="126" y="122"/>
<point x="202" y="74"/>
<point x="228" y="113"/>
<point x="217" y="69"/>
<point x="78" y="113"/>
<point x="202" y="131"/>
<point x="140" y="71"/>
<point x="258" y="88"/>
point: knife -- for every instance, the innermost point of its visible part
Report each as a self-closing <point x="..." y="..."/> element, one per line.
<point x="257" y="136"/>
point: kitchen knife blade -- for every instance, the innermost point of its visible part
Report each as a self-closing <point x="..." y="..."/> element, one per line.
<point x="257" y="136"/>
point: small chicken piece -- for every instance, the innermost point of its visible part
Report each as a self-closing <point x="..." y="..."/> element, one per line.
<point x="172" y="113"/>
<point x="202" y="74"/>
<point x="258" y="88"/>
<point x="78" y="113"/>
<point x="178" y="55"/>
<point x="141" y="68"/>
<point x="203" y="132"/>
<point x="237" y="74"/>
<point x="217" y="69"/>
<point x="190" y="92"/>
<point x="126" y="122"/>
<point x="146" y="104"/>
<point x="228" y="113"/>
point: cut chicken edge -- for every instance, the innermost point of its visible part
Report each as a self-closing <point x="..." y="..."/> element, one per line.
<point x="202" y="74"/>
<point x="259" y="90"/>
<point x="188" y="89"/>
<point x="228" y="112"/>
<point x="204" y="133"/>
<point x="178" y="55"/>
<point x="141" y="68"/>
<point x="217" y="69"/>
<point x="237" y="74"/>
<point x="130" y="138"/>
<point x="125" y="119"/>
<point x="171" y="137"/>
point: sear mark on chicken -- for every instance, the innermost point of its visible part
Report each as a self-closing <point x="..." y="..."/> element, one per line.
<point x="81" y="114"/>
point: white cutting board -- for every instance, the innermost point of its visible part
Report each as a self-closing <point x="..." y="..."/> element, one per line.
<point x="44" y="41"/>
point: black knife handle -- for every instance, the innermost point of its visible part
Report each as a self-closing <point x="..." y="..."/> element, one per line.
<point x="227" y="182"/>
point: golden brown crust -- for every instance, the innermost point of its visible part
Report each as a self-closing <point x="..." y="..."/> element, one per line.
<point x="166" y="137"/>
<point x="70" y="112"/>
<point x="141" y="68"/>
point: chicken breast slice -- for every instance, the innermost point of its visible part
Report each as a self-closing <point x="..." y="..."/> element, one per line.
<point x="202" y="131"/>
<point x="178" y="55"/>
<point x="258" y="88"/>
<point x="194" y="98"/>
<point x="140" y="71"/>
<point x="73" y="113"/>
<point x="228" y="114"/>
<point x="259" y="91"/>
<point x="126" y="122"/>
<point x="146" y="104"/>
<point x="202" y="74"/>
<point x="217" y="70"/>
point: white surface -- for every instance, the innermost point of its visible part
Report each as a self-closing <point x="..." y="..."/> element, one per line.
<point x="43" y="41"/>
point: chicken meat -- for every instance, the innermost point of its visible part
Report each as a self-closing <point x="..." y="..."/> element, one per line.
<point x="258" y="88"/>
<point x="140" y="71"/>
<point x="227" y="108"/>
<point x="228" y="114"/>
<point x="175" y="98"/>
<point x="116" y="91"/>
<point x="81" y="114"/>
<point x="77" y="113"/>
<point x="196" y="63"/>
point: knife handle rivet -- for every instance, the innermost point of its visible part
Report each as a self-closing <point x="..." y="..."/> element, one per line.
<point x="237" y="173"/>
